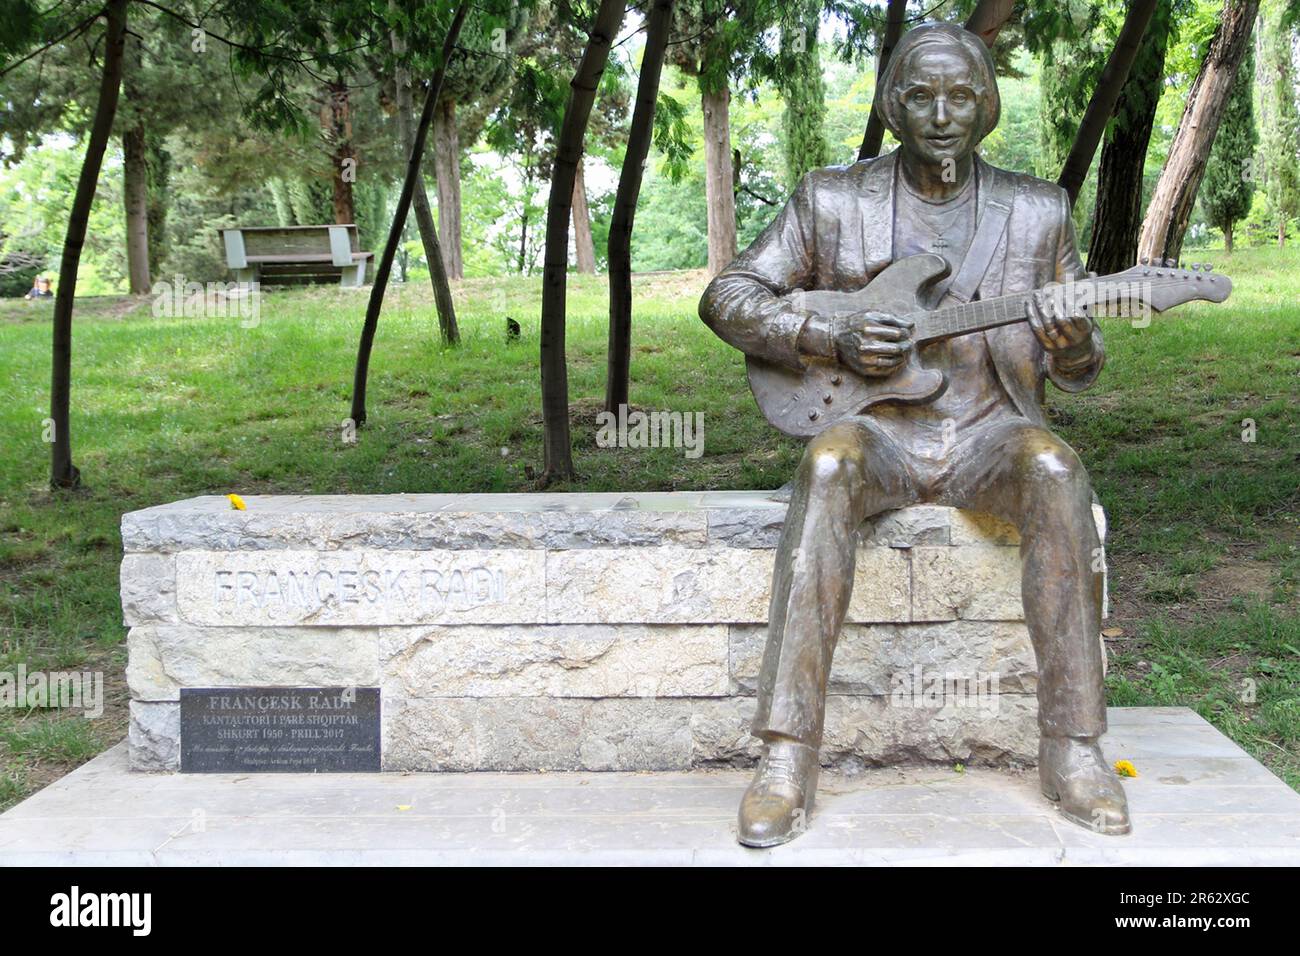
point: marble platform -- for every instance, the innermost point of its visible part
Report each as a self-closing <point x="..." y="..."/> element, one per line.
<point x="1199" y="800"/>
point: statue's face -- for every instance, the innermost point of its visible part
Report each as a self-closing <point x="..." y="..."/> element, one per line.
<point x="938" y="108"/>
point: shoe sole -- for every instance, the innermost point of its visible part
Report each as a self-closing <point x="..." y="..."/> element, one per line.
<point x="765" y="844"/>
<point x="1113" y="830"/>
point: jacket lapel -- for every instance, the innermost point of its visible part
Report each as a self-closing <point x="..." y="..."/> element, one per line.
<point x="876" y="209"/>
<point x="1012" y="347"/>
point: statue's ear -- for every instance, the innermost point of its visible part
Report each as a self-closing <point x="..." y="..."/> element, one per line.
<point x="887" y="105"/>
<point x="994" y="113"/>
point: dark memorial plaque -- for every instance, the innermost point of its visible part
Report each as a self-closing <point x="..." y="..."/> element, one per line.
<point x="279" y="729"/>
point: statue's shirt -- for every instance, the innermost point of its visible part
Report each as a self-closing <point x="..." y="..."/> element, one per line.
<point x="975" y="395"/>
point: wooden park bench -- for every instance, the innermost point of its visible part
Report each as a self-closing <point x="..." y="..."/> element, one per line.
<point x="285" y="255"/>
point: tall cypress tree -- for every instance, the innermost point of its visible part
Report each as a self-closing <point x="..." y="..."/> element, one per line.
<point x="802" y="88"/>
<point x="1281" y="140"/>
<point x="1229" y="183"/>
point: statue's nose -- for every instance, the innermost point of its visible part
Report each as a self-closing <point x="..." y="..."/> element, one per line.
<point x="940" y="112"/>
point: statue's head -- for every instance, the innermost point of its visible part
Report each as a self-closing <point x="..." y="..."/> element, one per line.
<point x="939" y="92"/>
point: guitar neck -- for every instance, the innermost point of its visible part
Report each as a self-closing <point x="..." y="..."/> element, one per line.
<point x="1141" y="289"/>
<point x="953" y="320"/>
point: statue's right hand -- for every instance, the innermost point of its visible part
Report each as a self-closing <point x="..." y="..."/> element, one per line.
<point x="873" y="343"/>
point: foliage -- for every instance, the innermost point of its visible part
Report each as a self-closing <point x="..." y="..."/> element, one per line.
<point x="35" y="198"/>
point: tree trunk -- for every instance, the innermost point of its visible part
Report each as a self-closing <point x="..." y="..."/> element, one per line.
<point x="618" y="371"/>
<point x="568" y="152"/>
<point x="448" y="330"/>
<point x="1227" y="238"/>
<point x="385" y="267"/>
<point x="988" y="19"/>
<point x="1175" y="195"/>
<point x="584" y="246"/>
<point x="135" y="192"/>
<point x="524" y="265"/>
<point x="446" y="165"/>
<point x="158" y="166"/>
<point x="718" y="188"/>
<point x="875" y="132"/>
<point x="336" y="122"/>
<point x="1281" y="233"/>
<point x="1109" y="85"/>
<point x="1118" y="213"/>
<point x="63" y="473"/>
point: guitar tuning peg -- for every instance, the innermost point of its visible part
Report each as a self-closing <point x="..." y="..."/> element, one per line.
<point x="1169" y="264"/>
<point x="1196" y="267"/>
<point x="1145" y="260"/>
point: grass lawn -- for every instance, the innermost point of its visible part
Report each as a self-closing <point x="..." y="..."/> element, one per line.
<point x="1204" y="543"/>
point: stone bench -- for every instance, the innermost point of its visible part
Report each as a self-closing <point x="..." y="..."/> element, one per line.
<point x="570" y="631"/>
<point x="293" y="255"/>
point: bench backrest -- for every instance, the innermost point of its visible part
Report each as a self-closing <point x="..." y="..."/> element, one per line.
<point x="338" y="241"/>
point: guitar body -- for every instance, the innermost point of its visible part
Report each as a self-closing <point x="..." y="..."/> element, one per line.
<point x="803" y="403"/>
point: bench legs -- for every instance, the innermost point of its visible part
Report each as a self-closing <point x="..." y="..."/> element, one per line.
<point x="353" y="275"/>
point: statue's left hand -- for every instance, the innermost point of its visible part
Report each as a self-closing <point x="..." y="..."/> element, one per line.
<point x="1067" y="337"/>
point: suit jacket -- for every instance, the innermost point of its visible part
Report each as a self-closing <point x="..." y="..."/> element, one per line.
<point x="836" y="232"/>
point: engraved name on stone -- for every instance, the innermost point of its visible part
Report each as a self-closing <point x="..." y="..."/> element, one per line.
<point x="458" y="590"/>
<point x="414" y="587"/>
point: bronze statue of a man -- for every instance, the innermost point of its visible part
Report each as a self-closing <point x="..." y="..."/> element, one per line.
<point x="983" y="444"/>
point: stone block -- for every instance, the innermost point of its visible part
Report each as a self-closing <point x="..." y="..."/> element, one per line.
<point x="970" y="582"/>
<point x="531" y="733"/>
<point x="148" y="584"/>
<point x="556" y="660"/>
<point x="154" y="735"/>
<point x="537" y="733"/>
<point x="164" y="658"/>
<point x="701" y="585"/>
<point x="873" y="659"/>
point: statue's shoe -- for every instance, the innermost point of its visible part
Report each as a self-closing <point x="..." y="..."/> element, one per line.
<point x="776" y="806"/>
<point x="1074" y="774"/>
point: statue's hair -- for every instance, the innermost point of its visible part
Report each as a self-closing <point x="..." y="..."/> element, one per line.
<point x="943" y="34"/>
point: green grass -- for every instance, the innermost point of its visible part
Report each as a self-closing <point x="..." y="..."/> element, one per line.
<point x="1203" y="526"/>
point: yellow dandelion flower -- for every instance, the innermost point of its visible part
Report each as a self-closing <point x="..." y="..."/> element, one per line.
<point x="237" y="502"/>
<point x="1125" y="768"/>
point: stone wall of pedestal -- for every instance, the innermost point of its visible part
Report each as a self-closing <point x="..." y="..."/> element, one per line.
<point x="571" y="631"/>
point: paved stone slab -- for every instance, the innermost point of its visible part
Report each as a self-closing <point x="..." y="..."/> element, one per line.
<point x="1199" y="808"/>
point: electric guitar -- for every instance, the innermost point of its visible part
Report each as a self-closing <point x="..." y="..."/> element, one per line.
<point x="803" y="403"/>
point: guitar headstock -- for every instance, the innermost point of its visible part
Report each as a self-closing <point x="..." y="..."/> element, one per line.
<point x="1163" y="284"/>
